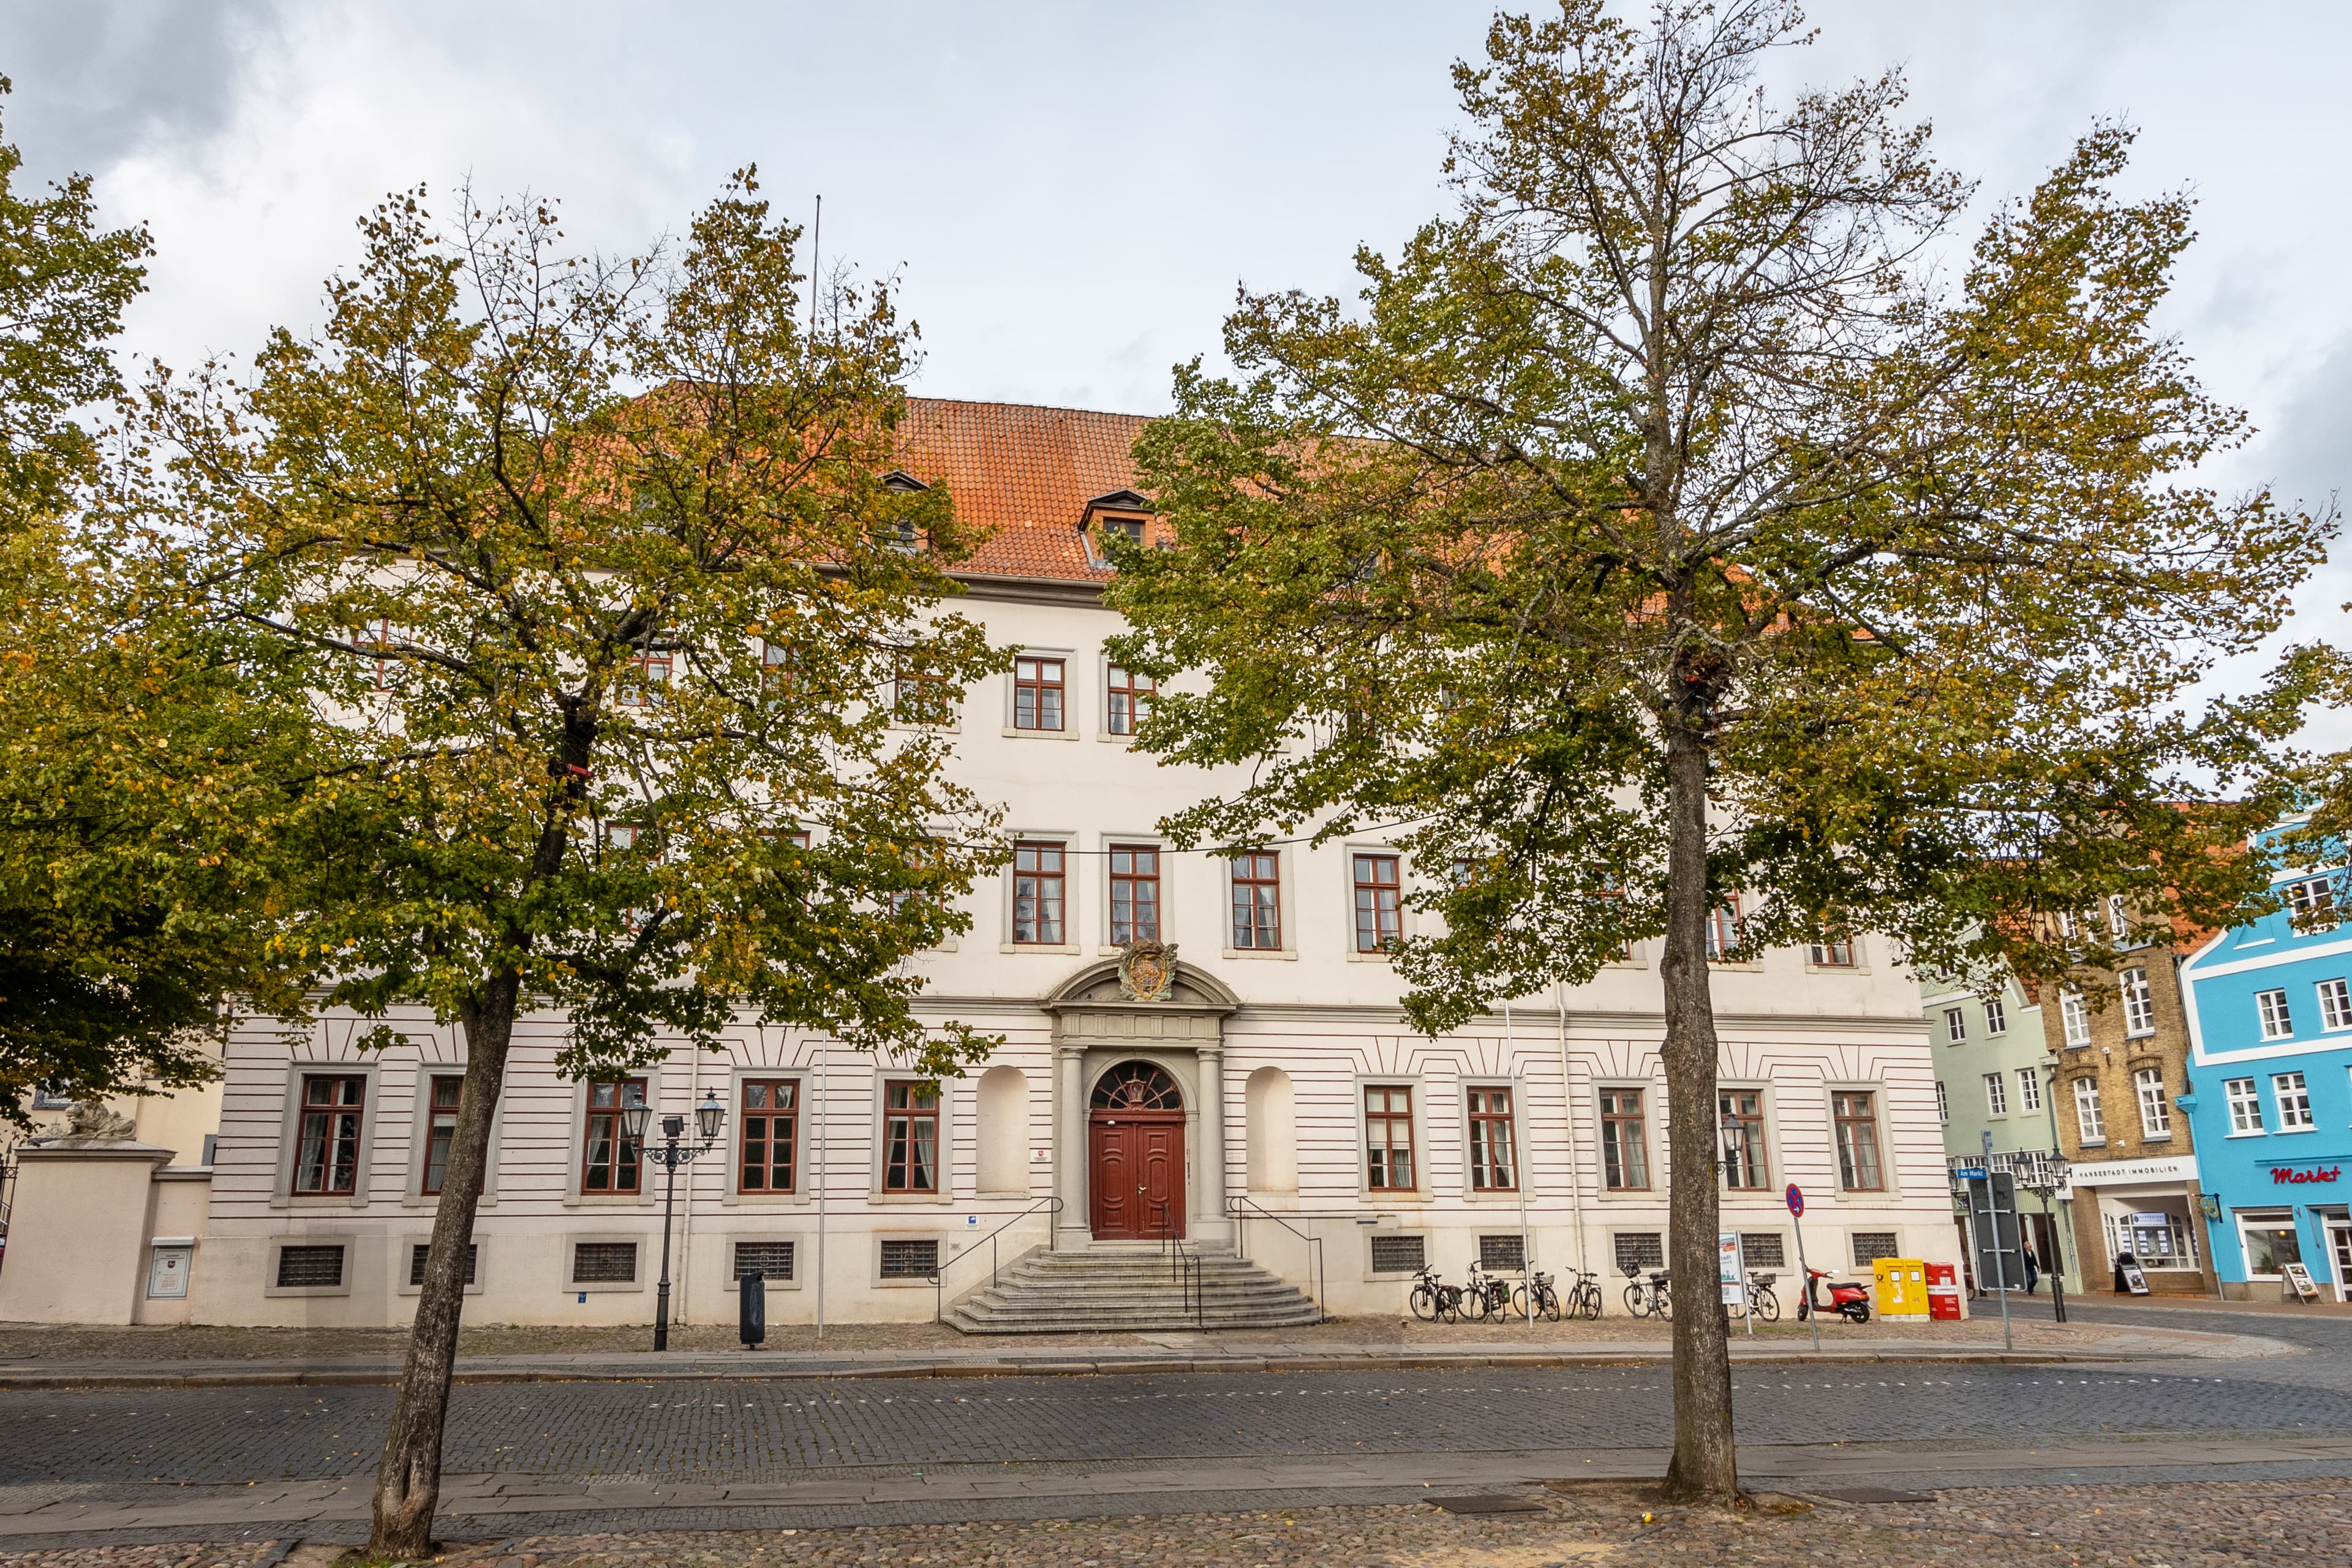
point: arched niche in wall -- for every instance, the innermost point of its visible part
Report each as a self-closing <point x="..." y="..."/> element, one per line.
<point x="1271" y="1132"/>
<point x="1002" y="1129"/>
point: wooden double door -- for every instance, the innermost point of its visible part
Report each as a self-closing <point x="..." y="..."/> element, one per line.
<point x="1136" y="1165"/>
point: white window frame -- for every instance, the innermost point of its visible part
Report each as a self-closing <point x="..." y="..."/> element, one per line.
<point x="2294" y="1114"/>
<point x="1956" y="1026"/>
<point x="1996" y="1015"/>
<point x="1996" y="1094"/>
<point x="2243" y="1098"/>
<point x="2334" y="1005"/>
<point x="2074" y="1016"/>
<point x="2271" y="1009"/>
<point x="2139" y="1004"/>
<point x="2302" y="899"/>
<point x="2263" y="1220"/>
<point x="2029" y="1089"/>
<point x="1943" y="1104"/>
<point x="2090" y="1116"/>
<point x="2155" y="1108"/>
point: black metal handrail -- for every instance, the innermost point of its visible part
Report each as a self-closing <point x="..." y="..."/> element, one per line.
<point x="1239" y="1206"/>
<point x="938" y="1271"/>
<point x="1184" y="1269"/>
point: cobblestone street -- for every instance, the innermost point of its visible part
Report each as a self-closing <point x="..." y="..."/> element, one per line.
<point x="747" y="1428"/>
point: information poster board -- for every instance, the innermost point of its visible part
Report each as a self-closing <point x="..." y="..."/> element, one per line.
<point x="2299" y="1278"/>
<point x="1727" y="1265"/>
<point x="2134" y="1281"/>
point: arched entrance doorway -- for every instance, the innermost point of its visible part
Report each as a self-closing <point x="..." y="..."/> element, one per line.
<point x="1134" y="1146"/>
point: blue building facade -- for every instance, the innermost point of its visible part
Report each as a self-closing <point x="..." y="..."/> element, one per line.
<point x="2270" y="1100"/>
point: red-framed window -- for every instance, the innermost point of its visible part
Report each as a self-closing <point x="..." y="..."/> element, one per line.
<point x="1038" y="879"/>
<point x="918" y="697"/>
<point x="770" y="1115"/>
<point x="1037" y="693"/>
<point x="1856" y="1114"/>
<point x="1131" y="696"/>
<point x="910" y="1137"/>
<point x="1494" y="1164"/>
<point x="1625" y="1140"/>
<point x="1388" y="1138"/>
<point x="1257" y="903"/>
<point x="1740" y="1125"/>
<point x="383" y="635"/>
<point x="444" y="1093"/>
<point x="1134" y="892"/>
<point x="645" y="681"/>
<point x="1722" y="927"/>
<point x="1833" y="955"/>
<point x="609" y="1160"/>
<point x="326" y="1153"/>
<point x="775" y="665"/>
<point x="1380" y="917"/>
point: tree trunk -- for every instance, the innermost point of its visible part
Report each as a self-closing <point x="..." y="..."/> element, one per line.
<point x="1705" y="1467"/>
<point x="408" y="1481"/>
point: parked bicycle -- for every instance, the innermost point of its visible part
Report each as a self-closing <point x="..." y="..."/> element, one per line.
<point x="1432" y="1299"/>
<point x="1537" y="1298"/>
<point x="1487" y="1295"/>
<point x="1760" y="1298"/>
<point x="1649" y="1297"/>
<point x="1584" y="1297"/>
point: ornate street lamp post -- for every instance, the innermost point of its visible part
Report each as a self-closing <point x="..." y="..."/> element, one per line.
<point x="710" y="1116"/>
<point x="2043" y="1178"/>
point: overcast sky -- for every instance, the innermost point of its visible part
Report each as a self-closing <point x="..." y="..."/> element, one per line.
<point x="1071" y="192"/>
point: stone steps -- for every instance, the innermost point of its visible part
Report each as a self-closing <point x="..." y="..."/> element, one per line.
<point x="1131" y="1291"/>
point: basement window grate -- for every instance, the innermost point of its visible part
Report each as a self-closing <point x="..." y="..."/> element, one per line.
<point x="1398" y="1254"/>
<point x="416" y="1255"/>
<point x="1505" y="1254"/>
<point x="910" y="1259"/>
<point x="312" y="1266"/>
<point x="772" y="1259"/>
<point x="604" y="1262"/>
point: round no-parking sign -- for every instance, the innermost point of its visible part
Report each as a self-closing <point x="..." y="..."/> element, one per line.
<point x="1796" y="1199"/>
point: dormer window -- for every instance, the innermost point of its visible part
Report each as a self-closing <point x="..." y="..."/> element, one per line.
<point x="1123" y="512"/>
<point x="900" y="533"/>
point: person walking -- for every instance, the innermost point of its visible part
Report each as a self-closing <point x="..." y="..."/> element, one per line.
<point x="2032" y="1270"/>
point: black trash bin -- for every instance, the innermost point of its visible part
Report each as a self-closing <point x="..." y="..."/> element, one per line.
<point x="753" y="1289"/>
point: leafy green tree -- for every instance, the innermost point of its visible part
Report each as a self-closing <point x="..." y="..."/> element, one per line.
<point x="601" y="576"/>
<point x="1665" y="525"/>
<point x="132" y="736"/>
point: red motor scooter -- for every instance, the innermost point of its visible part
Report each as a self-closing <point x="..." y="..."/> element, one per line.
<point x="1849" y="1299"/>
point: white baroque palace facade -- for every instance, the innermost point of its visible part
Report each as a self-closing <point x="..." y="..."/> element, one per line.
<point x="1277" y="1078"/>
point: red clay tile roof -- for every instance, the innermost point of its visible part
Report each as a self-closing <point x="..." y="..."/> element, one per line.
<point x="1022" y="473"/>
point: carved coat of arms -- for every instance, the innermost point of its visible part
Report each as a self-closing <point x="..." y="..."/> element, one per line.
<point x="1147" y="970"/>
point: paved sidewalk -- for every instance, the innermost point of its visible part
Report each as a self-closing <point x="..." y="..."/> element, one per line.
<point x="2079" y="1526"/>
<point x="1006" y="1357"/>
